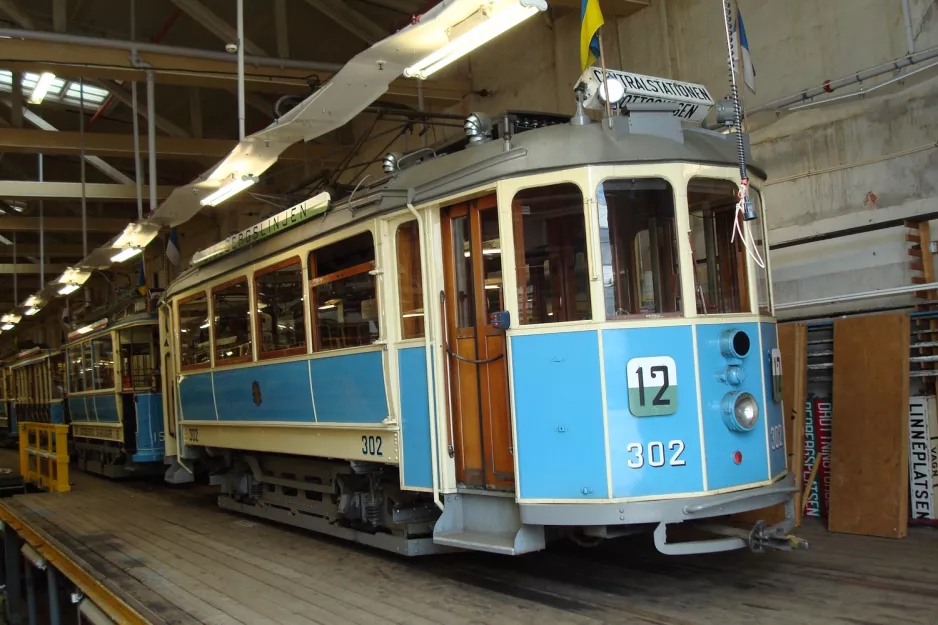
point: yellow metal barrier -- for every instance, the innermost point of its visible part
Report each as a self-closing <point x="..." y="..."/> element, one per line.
<point x="44" y="455"/>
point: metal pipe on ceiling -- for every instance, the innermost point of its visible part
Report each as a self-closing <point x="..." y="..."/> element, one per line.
<point x="133" y="96"/>
<point x="140" y="46"/>
<point x="240" y="11"/>
<point x="42" y="234"/>
<point x="907" y="18"/>
<point x="151" y="136"/>
<point x="84" y="200"/>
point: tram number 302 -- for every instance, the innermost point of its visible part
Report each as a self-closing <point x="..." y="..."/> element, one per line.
<point x="654" y="454"/>
<point x="371" y="446"/>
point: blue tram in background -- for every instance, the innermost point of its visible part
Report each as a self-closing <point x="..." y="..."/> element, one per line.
<point x="114" y="397"/>
<point x="39" y="387"/>
<point x="547" y="329"/>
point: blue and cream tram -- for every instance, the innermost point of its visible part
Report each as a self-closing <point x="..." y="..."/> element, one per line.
<point x="114" y="397"/>
<point x="39" y="386"/>
<point x="8" y="431"/>
<point x="550" y="331"/>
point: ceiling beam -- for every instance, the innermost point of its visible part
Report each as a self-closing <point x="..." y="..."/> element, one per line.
<point x="15" y="13"/>
<point x="106" y="169"/>
<point x="29" y="268"/>
<point x="281" y="28"/>
<point x="20" y="189"/>
<point x="30" y="141"/>
<point x="59" y="15"/>
<point x="615" y="8"/>
<point x="72" y="60"/>
<point x="350" y="19"/>
<point x="126" y="97"/>
<point x="12" y="223"/>
<point x="52" y="250"/>
<point x="216" y="25"/>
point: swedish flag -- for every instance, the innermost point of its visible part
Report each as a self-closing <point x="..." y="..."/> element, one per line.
<point x="142" y="287"/>
<point x="591" y="20"/>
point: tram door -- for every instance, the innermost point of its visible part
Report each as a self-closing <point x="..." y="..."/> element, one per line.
<point x="476" y="352"/>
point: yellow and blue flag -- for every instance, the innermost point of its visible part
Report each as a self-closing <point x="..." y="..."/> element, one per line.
<point x="591" y="20"/>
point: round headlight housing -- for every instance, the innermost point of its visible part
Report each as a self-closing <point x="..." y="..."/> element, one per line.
<point x="740" y="411"/>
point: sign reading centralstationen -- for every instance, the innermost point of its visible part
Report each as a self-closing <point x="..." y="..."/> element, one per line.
<point x="274" y="224"/>
<point x="693" y="101"/>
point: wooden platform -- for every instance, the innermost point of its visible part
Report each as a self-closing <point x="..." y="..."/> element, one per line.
<point x="171" y="556"/>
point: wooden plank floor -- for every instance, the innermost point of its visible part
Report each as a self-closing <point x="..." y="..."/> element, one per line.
<point x="173" y="554"/>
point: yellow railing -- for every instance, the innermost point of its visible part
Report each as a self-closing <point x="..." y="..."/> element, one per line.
<point x="44" y="455"/>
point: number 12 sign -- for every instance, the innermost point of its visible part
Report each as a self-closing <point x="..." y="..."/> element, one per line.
<point x="652" y="386"/>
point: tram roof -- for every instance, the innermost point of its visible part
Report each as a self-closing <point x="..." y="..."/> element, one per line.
<point x="551" y="148"/>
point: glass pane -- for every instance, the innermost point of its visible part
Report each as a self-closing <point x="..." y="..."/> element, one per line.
<point x="137" y="355"/>
<point x="720" y="264"/>
<point x="410" y="280"/>
<point x="550" y="245"/>
<point x="759" y="235"/>
<point x="280" y="309"/>
<point x="491" y="263"/>
<point x="57" y="364"/>
<point x="462" y="249"/>
<point x="638" y="245"/>
<point x="343" y="301"/>
<point x="87" y="372"/>
<point x="76" y="382"/>
<point x="232" y="323"/>
<point x="193" y="332"/>
<point x="103" y="363"/>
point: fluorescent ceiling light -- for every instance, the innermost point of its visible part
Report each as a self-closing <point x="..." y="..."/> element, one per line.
<point x="69" y="288"/>
<point x="235" y="186"/>
<point x="6" y="326"/>
<point x="31" y="311"/>
<point x="42" y="87"/>
<point x="84" y="330"/>
<point x="483" y="31"/>
<point x="32" y="301"/>
<point x="124" y="254"/>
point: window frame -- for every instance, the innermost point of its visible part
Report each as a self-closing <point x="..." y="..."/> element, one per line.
<point x="109" y="336"/>
<point x="348" y="272"/>
<point x="395" y="229"/>
<point x="211" y="331"/>
<point x="679" y="205"/>
<point x="233" y="360"/>
<point x="290" y="351"/>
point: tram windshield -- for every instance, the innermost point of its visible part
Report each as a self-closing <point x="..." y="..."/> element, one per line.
<point x="138" y="355"/>
<point x="641" y="275"/>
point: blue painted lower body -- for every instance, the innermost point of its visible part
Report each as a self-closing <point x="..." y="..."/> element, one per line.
<point x="150" y="446"/>
<point x="643" y="433"/>
<point x="415" y="418"/>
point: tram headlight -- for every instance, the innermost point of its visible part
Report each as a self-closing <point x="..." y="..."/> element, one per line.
<point x="735" y="344"/>
<point x="740" y="411"/>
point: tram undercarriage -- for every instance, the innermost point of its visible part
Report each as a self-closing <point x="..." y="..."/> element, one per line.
<point x="110" y="459"/>
<point x="358" y="501"/>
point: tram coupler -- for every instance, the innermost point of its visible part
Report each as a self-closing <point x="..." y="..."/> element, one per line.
<point x="778" y="537"/>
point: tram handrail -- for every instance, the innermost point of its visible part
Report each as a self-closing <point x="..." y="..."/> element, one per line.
<point x="44" y="455"/>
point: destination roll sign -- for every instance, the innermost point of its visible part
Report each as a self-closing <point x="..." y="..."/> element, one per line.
<point x="693" y="101"/>
<point x="292" y="216"/>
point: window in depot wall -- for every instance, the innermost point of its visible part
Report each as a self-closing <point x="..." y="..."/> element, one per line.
<point x="103" y="362"/>
<point x="550" y="254"/>
<point x="410" y="280"/>
<point x="638" y="245"/>
<point x="343" y="299"/>
<point x="281" y="323"/>
<point x="721" y="283"/>
<point x="194" y="348"/>
<point x="232" y="317"/>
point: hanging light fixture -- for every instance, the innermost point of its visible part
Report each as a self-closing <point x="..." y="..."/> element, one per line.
<point x="72" y="280"/>
<point x="124" y="254"/>
<point x="42" y="87"/>
<point x="486" y="24"/>
<point x="235" y="186"/>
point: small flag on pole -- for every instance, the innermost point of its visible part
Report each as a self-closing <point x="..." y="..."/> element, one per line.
<point x="142" y="287"/>
<point x="172" y="248"/>
<point x="591" y="20"/>
<point x="749" y="70"/>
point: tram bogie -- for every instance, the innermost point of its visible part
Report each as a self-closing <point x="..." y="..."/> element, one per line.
<point x="566" y="331"/>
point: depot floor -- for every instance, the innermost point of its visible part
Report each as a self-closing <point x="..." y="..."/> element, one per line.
<point x="173" y="552"/>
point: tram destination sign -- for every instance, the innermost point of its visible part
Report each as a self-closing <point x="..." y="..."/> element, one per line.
<point x="693" y="101"/>
<point x="293" y="216"/>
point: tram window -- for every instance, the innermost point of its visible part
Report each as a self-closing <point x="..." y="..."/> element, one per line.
<point x="641" y="273"/>
<point x="57" y="374"/>
<point x="410" y="280"/>
<point x="137" y="355"/>
<point x="194" y="333"/>
<point x="281" y="326"/>
<point x="103" y="362"/>
<point x="342" y="293"/>
<point x="87" y="370"/>
<point x="550" y="254"/>
<point x="721" y="284"/>
<point x="762" y="273"/>
<point x="232" y="317"/>
<point x="76" y="381"/>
